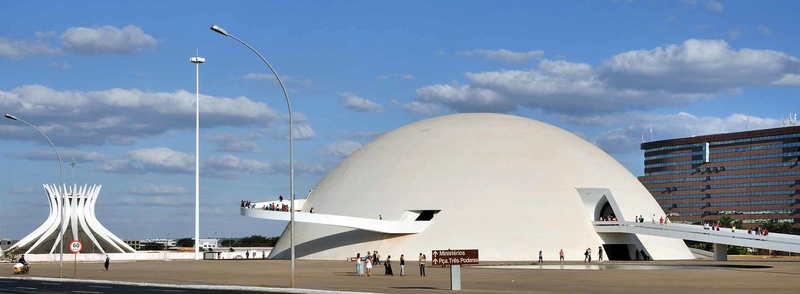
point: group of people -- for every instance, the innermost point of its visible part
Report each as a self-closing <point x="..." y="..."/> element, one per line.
<point x="715" y="227"/>
<point x="365" y="263"/>
<point x="587" y="255"/>
<point x="272" y="206"/>
<point x="608" y="218"/>
<point x="710" y="226"/>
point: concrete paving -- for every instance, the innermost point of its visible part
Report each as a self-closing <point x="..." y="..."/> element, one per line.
<point x="782" y="275"/>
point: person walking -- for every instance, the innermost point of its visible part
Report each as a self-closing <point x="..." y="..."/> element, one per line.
<point x="421" y="265"/>
<point x="540" y="256"/>
<point x="108" y="260"/>
<point x="402" y="265"/>
<point x="561" y="256"/>
<point x="600" y="254"/>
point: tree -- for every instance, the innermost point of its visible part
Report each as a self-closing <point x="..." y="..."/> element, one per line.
<point x="725" y="221"/>
<point x="257" y="241"/>
<point x="776" y="227"/>
<point x="152" y="246"/>
<point x="185" y="242"/>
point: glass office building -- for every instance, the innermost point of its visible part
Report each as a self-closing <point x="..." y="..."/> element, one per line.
<point x="751" y="176"/>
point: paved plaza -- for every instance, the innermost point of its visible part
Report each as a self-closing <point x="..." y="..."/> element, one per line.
<point x="781" y="276"/>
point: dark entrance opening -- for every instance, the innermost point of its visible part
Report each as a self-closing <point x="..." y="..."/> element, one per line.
<point x="607" y="211"/>
<point x="617" y="251"/>
<point x="427" y="215"/>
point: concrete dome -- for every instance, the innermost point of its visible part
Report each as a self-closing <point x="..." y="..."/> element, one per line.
<point x="508" y="186"/>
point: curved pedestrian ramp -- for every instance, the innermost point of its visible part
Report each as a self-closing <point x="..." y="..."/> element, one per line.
<point x="411" y="222"/>
<point x="725" y="236"/>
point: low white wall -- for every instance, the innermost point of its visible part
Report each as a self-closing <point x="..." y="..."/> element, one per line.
<point x="254" y="253"/>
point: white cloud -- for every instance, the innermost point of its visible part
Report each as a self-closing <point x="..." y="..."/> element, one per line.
<point x="288" y="80"/>
<point x="232" y="143"/>
<point x="303" y="131"/>
<point x="764" y="30"/>
<point x="107" y="39"/>
<point x="230" y="166"/>
<point x="504" y="55"/>
<point x="359" y="134"/>
<point x="60" y="65"/>
<point x="47" y="34"/>
<point x="421" y="108"/>
<point x="156" y="201"/>
<point x="670" y="76"/>
<point x="629" y="137"/>
<point x="340" y="149"/>
<point x="788" y="80"/>
<point x="158" y="160"/>
<point x="714" y="6"/>
<point x="123" y="116"/>
<point x="734" y="34"/>
<point x="160" y="190"/>
<point x="354" y="102"/>
<point x="697" y="66"/>
<point x="406" y="76"/>
<point x="381" y="77"/>
<point x="17" y="49"/>
<point x="300" y="167"/>
<point x="301" y="128"/>
<point x="23" y="191"/>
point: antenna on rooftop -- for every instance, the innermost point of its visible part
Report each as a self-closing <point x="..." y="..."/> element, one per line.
<point x="747" y="123"/>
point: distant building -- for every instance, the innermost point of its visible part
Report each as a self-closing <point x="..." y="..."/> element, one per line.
<point x="135" y="244"/>
<point x="209" y="243"/>
<point x="751" y="176"/>
<point x="5" y="243"/>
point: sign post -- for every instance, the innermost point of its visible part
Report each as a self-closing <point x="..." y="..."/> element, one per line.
<point x="75" y="246"/>
<point x="454" y="258"/>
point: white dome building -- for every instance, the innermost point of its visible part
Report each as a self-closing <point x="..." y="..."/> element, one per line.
<point x="508" y="186"/>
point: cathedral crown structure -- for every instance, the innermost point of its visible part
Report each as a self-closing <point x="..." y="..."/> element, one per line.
<point x="80" y="223"/>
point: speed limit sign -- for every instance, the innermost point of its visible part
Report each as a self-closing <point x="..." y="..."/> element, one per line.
<point x="75" y="246"/>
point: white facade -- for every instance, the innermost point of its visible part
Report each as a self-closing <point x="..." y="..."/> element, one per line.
<point x="80" y="223"/>
<point x="505" y="185"/>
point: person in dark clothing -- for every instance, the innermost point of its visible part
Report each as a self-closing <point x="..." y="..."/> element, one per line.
<point x="388" y="266"/>
<point x="22" y="260"/>
<point x="108" y="260"/>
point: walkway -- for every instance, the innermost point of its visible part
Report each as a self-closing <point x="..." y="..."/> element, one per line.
<point x="407" y="224"/>
<point x="773" y="241"/>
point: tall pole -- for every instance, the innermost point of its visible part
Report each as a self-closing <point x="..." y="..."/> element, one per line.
<point x="197" y="60"/>
<point x="222" y="31"/>
<point x="63" y="194"/>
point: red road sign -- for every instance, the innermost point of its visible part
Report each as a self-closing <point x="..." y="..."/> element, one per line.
<point x="454" y="256"/>
<point x="75" y="246"/>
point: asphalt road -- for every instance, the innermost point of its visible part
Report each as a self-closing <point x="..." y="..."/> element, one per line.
<point x="21" y="285"/>
<point x="773" y="275"/>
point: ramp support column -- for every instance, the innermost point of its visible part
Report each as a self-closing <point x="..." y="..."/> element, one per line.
<point x="720" y="252"/>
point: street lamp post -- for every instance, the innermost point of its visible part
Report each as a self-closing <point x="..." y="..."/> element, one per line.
<point x="222" y="31"/>
<point x="197" y="60"/>
<point x="63" y="194"/>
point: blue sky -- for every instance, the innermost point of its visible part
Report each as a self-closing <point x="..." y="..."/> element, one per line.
<point x="111" y="84"/>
